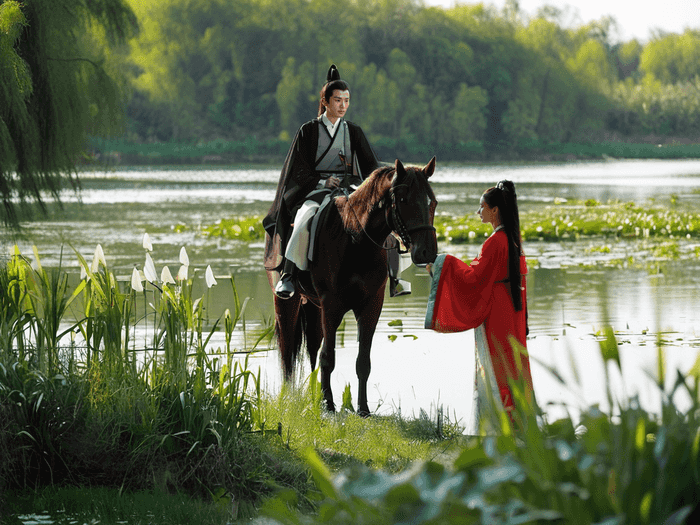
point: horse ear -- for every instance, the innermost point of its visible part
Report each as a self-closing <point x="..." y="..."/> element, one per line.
<point x="429" y="168"/>
<point x="400" y="170"/>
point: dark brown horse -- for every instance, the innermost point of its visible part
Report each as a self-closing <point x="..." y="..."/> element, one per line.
<point x="350" y="270"/>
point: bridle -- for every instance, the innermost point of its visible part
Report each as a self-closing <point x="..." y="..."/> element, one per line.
<point x="395" y="222"/>
<point x="399" y="226"/>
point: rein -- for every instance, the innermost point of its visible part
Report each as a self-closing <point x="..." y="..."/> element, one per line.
<point x="400" y="228"/>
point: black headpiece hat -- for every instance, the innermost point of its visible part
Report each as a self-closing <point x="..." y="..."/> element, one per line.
<point x="332" y="74"/>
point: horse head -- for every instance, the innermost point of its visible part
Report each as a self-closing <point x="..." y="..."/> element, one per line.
<point x="412" y="211"/>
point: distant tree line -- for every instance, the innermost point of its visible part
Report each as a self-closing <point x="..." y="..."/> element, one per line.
<point x="202" y="70"/>
<point x="229" y="76"/>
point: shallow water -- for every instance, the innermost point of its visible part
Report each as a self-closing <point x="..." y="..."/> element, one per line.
<point x="419" y="369"/>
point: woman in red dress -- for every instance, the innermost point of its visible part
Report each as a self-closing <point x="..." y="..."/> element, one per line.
<point x="489" y="296"/>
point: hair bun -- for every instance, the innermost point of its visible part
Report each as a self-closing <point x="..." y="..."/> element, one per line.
<point x="506" y="185"/>
<point x="332" y="74"/>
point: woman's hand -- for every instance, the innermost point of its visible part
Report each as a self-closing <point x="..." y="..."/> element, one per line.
<point x="429" y="268"/>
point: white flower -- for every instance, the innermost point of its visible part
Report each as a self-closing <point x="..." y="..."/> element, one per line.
<point x="147" y="242"/>
<point x="183" y="257"/>
<point x="136" y="281"/>
<point x="83" y="272"/>
<point x="166" y="276"/>
<point x="149" y="269"/>
<point x="209" y="277"/>
<point x="182" y="274"/>
<point x="98" y="258"/>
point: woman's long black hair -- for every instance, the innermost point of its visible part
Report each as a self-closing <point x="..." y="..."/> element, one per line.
<point x="503" y="195"/>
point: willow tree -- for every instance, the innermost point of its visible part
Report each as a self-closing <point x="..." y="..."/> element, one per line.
<point x="55" y="88"/>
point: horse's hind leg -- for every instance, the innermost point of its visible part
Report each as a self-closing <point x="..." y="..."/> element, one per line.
<point x="313" y="330"/>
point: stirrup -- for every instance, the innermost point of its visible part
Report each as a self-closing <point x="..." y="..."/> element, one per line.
<point x="285" y="287"/>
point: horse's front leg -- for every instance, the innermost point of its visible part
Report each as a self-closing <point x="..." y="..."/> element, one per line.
<point x="367" y="320"/>
<point x="331" y="317"/>
<point x="327" y="363"/>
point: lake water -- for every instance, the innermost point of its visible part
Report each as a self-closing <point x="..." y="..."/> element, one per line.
<point x="419" y="370"/>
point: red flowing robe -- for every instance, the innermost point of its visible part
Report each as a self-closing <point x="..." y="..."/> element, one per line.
<point x="477" y="296"/>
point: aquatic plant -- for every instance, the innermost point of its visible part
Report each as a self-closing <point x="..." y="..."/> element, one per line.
<point x="573" y="220"/>
<point x="239" y="228"/>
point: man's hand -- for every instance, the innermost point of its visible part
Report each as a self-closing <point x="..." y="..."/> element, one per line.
<point x="332" y="182"/>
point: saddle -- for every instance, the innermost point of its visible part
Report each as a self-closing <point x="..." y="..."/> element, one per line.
<point x="303" y="277"/>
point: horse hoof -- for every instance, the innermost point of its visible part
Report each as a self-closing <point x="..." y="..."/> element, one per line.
<point x="365" y="413"/>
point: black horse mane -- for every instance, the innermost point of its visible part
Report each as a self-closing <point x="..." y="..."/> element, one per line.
<point x="356" y="209"/>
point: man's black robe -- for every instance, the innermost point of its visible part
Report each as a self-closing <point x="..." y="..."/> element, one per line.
<point x="299" y="178"/>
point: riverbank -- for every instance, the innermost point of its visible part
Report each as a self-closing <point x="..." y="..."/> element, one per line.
<point x="272" y="152"/>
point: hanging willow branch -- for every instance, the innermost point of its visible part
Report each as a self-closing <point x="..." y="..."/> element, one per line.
<point x="48" y="103"/>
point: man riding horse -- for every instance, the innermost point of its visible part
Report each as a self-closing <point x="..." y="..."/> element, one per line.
<point x="327" y="155"/>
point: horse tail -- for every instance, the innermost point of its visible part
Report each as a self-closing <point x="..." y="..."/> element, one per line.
<point x="289" y="332"/>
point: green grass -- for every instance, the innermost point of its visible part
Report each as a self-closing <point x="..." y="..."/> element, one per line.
<point x="344" y="438"/>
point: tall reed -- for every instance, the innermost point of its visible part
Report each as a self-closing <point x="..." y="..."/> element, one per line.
<point x="14" y="317"/>
<point x="101" y="403"/>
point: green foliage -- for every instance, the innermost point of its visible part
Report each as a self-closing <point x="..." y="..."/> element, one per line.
<point x="672" y="58"/>
<point x="55" y="89"/>
<point x="628" y="466"/>
<point x="431" y="75"/>
<point x="423" y="80"/>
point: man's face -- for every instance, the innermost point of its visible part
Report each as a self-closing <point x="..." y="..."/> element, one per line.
<point x="337" y="105"/>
